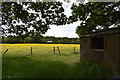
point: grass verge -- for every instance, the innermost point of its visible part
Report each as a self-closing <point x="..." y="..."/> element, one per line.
<point x="50" y="66"/>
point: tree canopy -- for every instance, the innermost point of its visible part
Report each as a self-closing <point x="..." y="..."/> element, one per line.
<point x="95" y="16"/>
<point x="31" y="18"/>
<point x="34" y="18"/>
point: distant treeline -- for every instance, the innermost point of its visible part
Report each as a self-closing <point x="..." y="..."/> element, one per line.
<point x="46" y="39"/>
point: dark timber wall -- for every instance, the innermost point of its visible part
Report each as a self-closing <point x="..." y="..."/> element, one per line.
<point x="109" y="56"/>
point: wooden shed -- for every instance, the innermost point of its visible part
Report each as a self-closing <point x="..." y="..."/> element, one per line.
<point x="102" y="47"/>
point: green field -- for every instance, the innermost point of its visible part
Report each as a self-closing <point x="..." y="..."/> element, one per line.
<point x="43" y="63"/>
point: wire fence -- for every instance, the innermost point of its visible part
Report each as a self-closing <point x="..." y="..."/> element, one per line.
<point x="40" y="49"/>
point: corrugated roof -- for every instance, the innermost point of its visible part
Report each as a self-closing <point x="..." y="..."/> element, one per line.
<point x="103" y="32"/>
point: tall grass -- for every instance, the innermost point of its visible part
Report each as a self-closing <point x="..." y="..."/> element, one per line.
<point x="28" y="67"/>
<point x="44" y="64"/>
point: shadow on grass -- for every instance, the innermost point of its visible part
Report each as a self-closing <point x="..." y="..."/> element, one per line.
<point x="24" y="67"/>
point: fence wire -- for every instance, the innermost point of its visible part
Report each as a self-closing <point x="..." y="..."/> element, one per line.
<point x="40" y="49"/>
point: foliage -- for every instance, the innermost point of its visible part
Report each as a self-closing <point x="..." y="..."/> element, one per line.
<point x="28" y="39"/>
<point x="30" y="18"/>
<point x="60" y="40"/>
<point x="11" y="39"/>
<point x="95" y="16"/>
<point x="36" y="39"/>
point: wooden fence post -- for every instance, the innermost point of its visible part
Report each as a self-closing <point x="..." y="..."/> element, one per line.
<point x="31" y="50"/>
<point x="58" y="49"/>
<point x="5" y="51"/>
<point x="54" y="50"/>
<point x="74" y="49"/>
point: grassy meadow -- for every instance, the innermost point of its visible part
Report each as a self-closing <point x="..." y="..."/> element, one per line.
<point x="43" y="63"/>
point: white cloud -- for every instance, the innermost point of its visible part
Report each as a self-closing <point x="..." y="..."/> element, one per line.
<point x="67" y="30"/>
<point x="63" y="31"/>
<point x="67" y="9"/>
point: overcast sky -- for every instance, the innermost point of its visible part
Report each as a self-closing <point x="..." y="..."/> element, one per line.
<point x="65" y="30"/>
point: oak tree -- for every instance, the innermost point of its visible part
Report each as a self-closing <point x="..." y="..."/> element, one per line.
<point x="31" y="18"/>
<point x="95" y="16"/>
